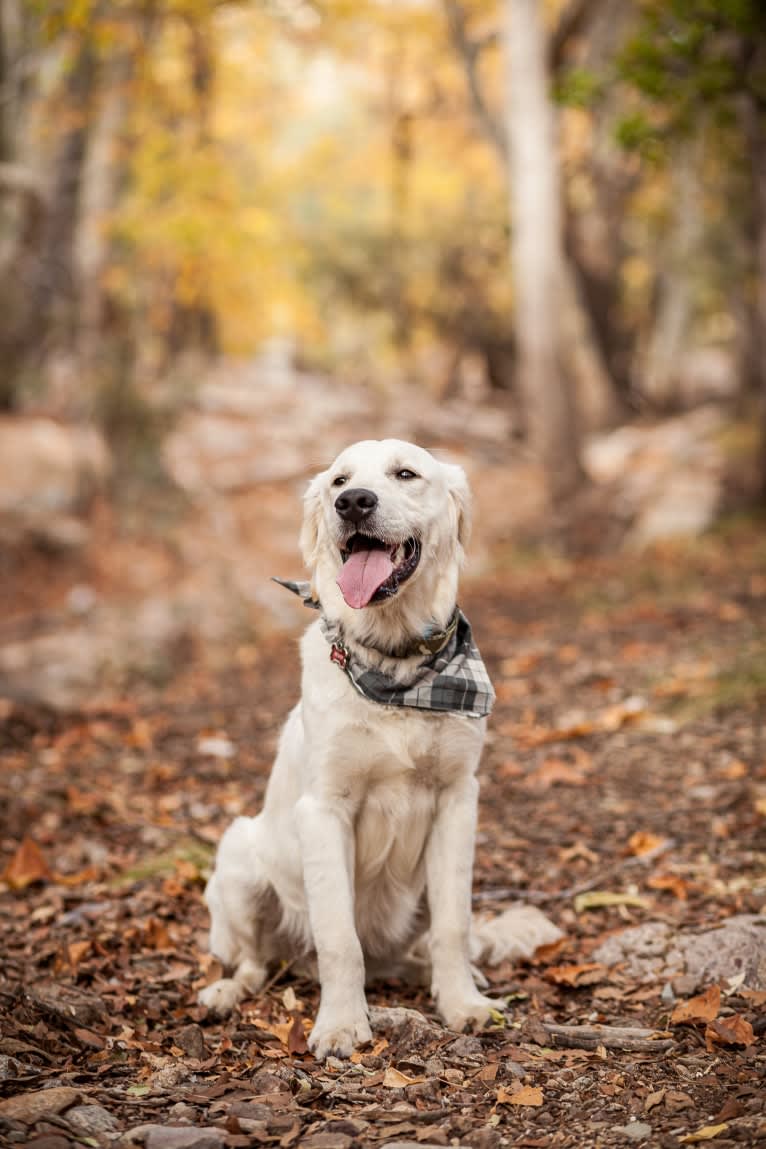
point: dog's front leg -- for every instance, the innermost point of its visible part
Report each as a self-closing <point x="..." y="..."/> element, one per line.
<point x="327" y="850"/>
<point x="449" y="871"/>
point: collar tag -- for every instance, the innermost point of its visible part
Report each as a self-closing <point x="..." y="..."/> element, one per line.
<point x="339" y="654"/>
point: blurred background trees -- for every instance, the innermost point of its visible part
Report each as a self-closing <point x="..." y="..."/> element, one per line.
<point x="563" y="203"/>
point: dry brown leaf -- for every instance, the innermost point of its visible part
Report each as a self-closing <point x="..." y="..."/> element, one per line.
<point x="296" y="1036"/>
<point x="644" y="842"/>
<point x="546" y="953"/>
<point x="735" y="1030"/>
<point x="526" y="1095"/>
<point x="556" y="771"/>
<point x="587" y="973"/>
<point x="654" y="1099"/>
<point x="395" y="1079"/>
<point x="76" y="951"/>
<point x="27" y="865"/>
<point x="756" y="997"/>
<point x="706" y="1133"/>
<point x="670" y="882"/>
<point x="698" y="1010"/>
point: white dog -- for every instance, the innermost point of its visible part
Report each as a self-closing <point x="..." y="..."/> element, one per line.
<point x="365" y="841"/>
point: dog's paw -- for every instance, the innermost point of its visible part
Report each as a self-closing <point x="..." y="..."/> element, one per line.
<point x="338" y="1037"/>
<point x="222" y="996"/>
<point x="473" y="1011"/>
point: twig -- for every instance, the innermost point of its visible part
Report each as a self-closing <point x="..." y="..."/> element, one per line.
<point x="610" y="1036"/>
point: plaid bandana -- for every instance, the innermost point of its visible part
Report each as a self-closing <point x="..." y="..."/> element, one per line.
<point x="454" y="679"/>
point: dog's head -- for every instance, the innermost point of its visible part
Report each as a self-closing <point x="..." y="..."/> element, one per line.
<point x="386" y="521"/>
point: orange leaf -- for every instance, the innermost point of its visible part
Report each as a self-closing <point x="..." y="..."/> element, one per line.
<point x="671" y="882"/>
<point x="698" y="1010"/>
<point x="644" y="842"/>
<point x="585" y="974"/>
<point x="27" y="865"/>
<point x="734" y="1030"/>
<point x="527" y="1095"/>
<point x="555" y="771"/>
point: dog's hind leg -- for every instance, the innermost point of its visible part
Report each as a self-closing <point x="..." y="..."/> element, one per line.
<point x="236" y="895"/>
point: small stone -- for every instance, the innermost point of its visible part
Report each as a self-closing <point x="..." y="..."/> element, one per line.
<point x="92" y="1120"/>
<point x="635" y="1130"/>
<point x="417" y="1145"/>
<point x="465" y="1046"/>
<point x="10" y="1068"/>
<point x="184" y="1137"/>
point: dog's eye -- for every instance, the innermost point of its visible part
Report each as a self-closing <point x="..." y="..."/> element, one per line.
<point x="339" y="481"/>
<point x="405" y="474"/>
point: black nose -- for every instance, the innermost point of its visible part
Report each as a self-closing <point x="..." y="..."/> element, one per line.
<point x="356" y="504"/>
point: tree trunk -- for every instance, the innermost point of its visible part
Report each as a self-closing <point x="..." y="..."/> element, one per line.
<point x="659" y="384"/>
<point x="536" y="248"/>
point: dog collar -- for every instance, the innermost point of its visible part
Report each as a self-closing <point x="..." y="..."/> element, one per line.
<point x="431" y="642"/>
<point x="452" y="677"/>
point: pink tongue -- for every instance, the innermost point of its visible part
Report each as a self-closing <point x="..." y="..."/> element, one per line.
<point x="362" y="573"/>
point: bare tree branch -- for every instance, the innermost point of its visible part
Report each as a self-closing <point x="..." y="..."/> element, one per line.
<point x="469" y="50"/>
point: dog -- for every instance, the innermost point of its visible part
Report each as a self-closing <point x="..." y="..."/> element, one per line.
<point x="363" y="851"/>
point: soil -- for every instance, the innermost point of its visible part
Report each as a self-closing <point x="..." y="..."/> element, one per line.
<point x="624" y="782"/>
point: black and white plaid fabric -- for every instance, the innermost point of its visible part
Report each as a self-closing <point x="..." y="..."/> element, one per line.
<point x="455" y="680"/>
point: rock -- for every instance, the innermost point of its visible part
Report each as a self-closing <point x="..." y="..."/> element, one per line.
<point x="419" y="1145"/>
<point x="92" y="1120"/>
<point x="666" y="477"/>
<point x="736" y="948"/>
<point x="191" y="1040"/>
<point x="486" y="1138"/>
<point x="31" y="1107"/>
<point x="48" y="473"/>
<point x="10" y="1068"/>
<point x="64" y="667"/>
<point x="634" y="1130"/>
<point x="177" y="1137"/>
<point x="405" y="1025"/>
<point x="464" y="1046"/>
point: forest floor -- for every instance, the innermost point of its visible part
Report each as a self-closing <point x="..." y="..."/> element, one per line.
<point x="624" y="782"/>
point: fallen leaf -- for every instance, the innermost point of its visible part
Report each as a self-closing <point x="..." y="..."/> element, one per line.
<point x="670" y="882"/>
<point x="546" y="953"/>
<point x="654" y="1099"/>
<point x="698" y="1010"/>
<point x="706" y="1133"/>
<point x="598" y="899"/>
<point x="395" y="1079"/>
<point x="756" y="997"/>
<point x="587" y="973"/>
<point x="296" y="1037"/>
<point x="76" y="951"/>
<point x="526" y="1095"/>
<point x="27" y="865"/>
<point x="735" y="1030"/>
<point x="556" y="771"/>
<point x="644" y="842"/>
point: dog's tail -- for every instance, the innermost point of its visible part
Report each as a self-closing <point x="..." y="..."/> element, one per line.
<point x="514" y="935"/>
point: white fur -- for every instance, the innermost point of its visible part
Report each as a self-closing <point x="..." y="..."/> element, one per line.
<point x="365" y="840"/>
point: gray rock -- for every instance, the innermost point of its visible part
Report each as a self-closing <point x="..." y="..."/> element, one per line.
<point x="48" y="473"/>
<point x="692" y="958"/>
<point x="635" y="1130"/>
<point x="92" y="1120"/>
<point x="183" y="1137"/>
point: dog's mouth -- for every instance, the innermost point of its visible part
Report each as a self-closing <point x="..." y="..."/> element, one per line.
<point x="374" y="570"/>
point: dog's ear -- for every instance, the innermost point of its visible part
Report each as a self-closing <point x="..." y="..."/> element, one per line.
<point x="312" y="519"/>
<point x="460" y="493"/>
